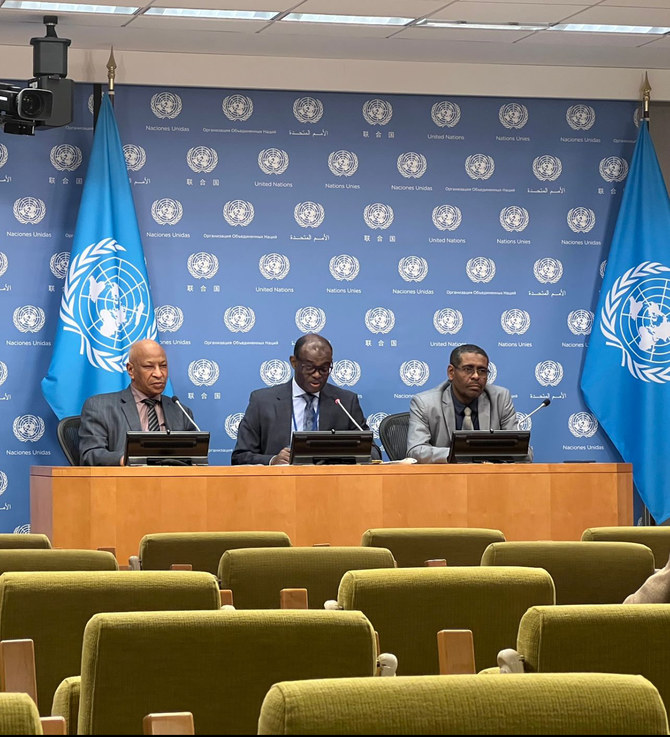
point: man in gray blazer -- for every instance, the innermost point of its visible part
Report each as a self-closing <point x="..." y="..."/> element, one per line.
<point x="464" y="400"/>
<point x="105" y="418"/>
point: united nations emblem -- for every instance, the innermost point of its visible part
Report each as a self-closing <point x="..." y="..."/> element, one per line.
<point x="346" y="372"/>
<point x="613" y="169"/>
<point x="448" y="321"/>
<point x="274" y="266"/>
<point x="549" y="373"/>
<point x="480" y="269"/>
<point x="166" y="105"/>
<point x="513" y="115"/>
<point x="238" y="212"/>
<point x="308" y="110"/>
<point x="580" y="117"/>
<point x="580" y="322"/>
<point x="601" y="269"/>
<point x="309" y="214"/>
<point x="637" y="115"/>
<point x="378" y="216"/>
<point x="523" y="421"/>
<point x="3" y="372"/>
<point x="548" y="270"/>
<point x="514" y="218"/>
<point x="58" y="264"/>
<point x="377" y="112"/>
<point x="66" y="157"/>
<point x="581" y="219"/>
<point x="29" y="319"/>
<point x="237" y="107"/>
<point x="447" y="217"/>
<point x="547" y="168"/>
<point x="515" y="321"/>
<point x="202" y="159"/>
<point x="202" y="265"/>
<point x="239" y="319"/>
<point x="28" y="428"/>
<point x="414" y="373"/>
<point x="29" y="210"/>
<point x="4" y="483"/>
<point x="275" y="371"/>
<point x="582" y="424"/>
<point x="343" y="163"/>
<point x="445" y="114"/>
<point x="169" y="318"/>
<point x="90" y="104"/>
<point x="273" y="161"/>
<point x="380" y="320"/>
<point x="412" y="165"/>
<point x="4" y="263"/>
<point x="4" y="155"/>
<point x="135" y="156"/>
<point x="479" y="166"/>
<point x="413" y="268"/>
<point x="636" y="320"/>
<point x="232" y="424"/>
<point x="344" y="267"/>
<point x="310" y="319"/>
<point x="22" y="529"/>
<point x="493" y="373"/>
<point x="203" y="372"/>
<point x="374" y="421"/>
<point x="167" y="211"/>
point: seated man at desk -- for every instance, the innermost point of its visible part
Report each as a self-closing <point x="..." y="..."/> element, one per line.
<point x="306" y="402"/>
<point x="105" y="418"/>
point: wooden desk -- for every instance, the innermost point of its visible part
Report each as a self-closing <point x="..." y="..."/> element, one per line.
<point x="114" y="507"/>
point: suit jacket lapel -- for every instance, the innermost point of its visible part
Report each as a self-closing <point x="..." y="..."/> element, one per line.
<point x="484" y="411"/>
<point x="448" y="411"/>
<point x="327" y="409"/>
<point x="283" y="411"/>
<point x="129" y="409"/>
<point x="174" y="419"/>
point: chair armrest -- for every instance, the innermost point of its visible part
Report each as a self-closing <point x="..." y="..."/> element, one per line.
<point x="175" y="722"/>
<point x="17" y="667"/>
<point x="456" y="652"/>
<point x="53" y="725"/>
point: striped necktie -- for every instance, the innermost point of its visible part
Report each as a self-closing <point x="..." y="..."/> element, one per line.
<point x="309" y="422"/>
<point x="152" y="416"/>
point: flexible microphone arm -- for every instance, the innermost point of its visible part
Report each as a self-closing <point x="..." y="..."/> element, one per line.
<point x="175" y="399"/>
<point x="346" y="412"/>
<point x="537" y="409"/>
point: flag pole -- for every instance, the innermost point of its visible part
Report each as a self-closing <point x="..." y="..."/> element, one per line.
<point x="646" y="97"/>
<point x="111" y="74"/>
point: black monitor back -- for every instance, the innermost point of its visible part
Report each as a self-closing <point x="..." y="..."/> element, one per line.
<point x="489" y="446"/>
<point x="327" y="447"/>
<point x="166" y="448"/>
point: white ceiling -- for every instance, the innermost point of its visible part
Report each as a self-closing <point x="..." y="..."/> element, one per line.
<point x="306" y="40"/>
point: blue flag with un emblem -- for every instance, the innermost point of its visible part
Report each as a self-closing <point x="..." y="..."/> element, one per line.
<point x="106" y="304"/>
<point x="626" y="375"/>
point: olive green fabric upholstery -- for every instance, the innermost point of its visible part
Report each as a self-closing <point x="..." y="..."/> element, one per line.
<point x="52" y="609"/>
<point x="217" y="665"/>
<point x="409" y="606"/>
<point x="656" y="538"/>
<point x="18" y="714"/>
<point x="32" y="540"/>
<point x="56" y="560"/>
<point x="257" y="575"/>
<point x="203" y="550"/>
<point x="413" y="546"/>
<point x="66" y="702"/>
<point x="583" y="573"/>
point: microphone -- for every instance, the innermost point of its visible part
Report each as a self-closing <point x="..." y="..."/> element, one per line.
<point x="537" y="409"/>
<point x="175" y="399"/>
<point x="344" y="409"/>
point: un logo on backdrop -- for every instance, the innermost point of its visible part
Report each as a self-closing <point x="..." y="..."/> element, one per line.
<point x="580" y="117"/>
<point x="22" y="529"/>
<point x="232" y="424"/>
<point x="237" y="107"/>
<point x="65" y="157"/>
<point x="202" y="159"/>
<point x="493" y="373"/>
<point x="413" y="268"/>
<point x="167" y="211"/>
<point x="582" y="424"/>
<point x="29" y="319"/>
<point x="414" y="373"/>
<point x="601" y="269"/>
<point x="28" y="428"/>
<point x="4" y="263"/>
<point x="380" y="320"/>
<point x="378" y="216"/>
<point x="3" y="372"/>
<point x="4" y="483"/>
<point x="447" y="217"/>
<point x="515" y="321"/>
<point x="275" y="371"/>
<point x="547" y="168"/>
<point x="310" y="319"/>
<point x="273" y="161"/>
<point x="169" y="318"/>
<point x="29" y="210"/>
<point x="479" y="166"/>
<point x="613" y="169"/>
<point x="448" y="321"/>
<point x="239" y="319"/>
<point x="480" y="269"/>
<point x="549" y="373"/>
<point x="308" y="109"/>
<point x="548" y="270"/>
<point x="523" y="421"/>
<point x="377" y="112"/>
<point x="580" y="322"/>
<point x="374" y="421"/>
<point x="4" y="155"/>
<point x="581" y="219"/>
<point x="202" y="265"/>
<point x="346" y="372"/>
<point x="203" y="372"/>
<point x="514" y="218"/>
<point x="238" y="212"/>
<point x="274" y="265"/>
<point x="343" y="163"/>
<point x="309" y="214"/>
<point x="513" y="115"/>
<point x="344" y="267"/>
<point x="58" y="264"/>
<point x="445" y="114"/>
<point x="412" y="165"/>
<point x="135" y="156"/>
<point x="166" y="105"/>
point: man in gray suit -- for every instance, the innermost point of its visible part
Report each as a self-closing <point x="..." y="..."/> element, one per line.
<point x="463" y="402"/>
<point x="306" y="402"/>
<point x="105" y="418"/>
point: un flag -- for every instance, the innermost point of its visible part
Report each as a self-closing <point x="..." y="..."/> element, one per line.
<point x="626" y="375"/>
<point x="106" y="304"/>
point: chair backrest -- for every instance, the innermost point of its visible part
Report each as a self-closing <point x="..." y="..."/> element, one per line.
<point x="18" y="714"/>
<point x="53" y="608"/>
<point x="583" y="573"/>
<point x="608" y="638"/>
<point x="575" y="703"/>
<point x="33" y="540"/>
<point x="257" y="575"/>
<point x="217" y="665"/>
<point x="203" y="550"/>
<point x="68" y="437"/>
<point x="393" y="434"/>
<point x="56" y="559"/>
<point x="413" y="546"/>
<point x="409" y="606"/>
<point x="656" y="538"/>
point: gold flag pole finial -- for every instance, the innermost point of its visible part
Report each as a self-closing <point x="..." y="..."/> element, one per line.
<point x="111" y="72"/>
<point x="646" y="96"/>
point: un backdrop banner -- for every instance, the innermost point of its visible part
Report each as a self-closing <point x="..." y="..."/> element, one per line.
<point x="398" y="226"/>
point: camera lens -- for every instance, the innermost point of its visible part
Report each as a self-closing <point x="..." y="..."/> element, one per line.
<point x="31" y="105"/>
<point x="34" y="104"/>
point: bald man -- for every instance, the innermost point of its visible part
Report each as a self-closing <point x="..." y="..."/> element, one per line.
<point x="105" y="418"/>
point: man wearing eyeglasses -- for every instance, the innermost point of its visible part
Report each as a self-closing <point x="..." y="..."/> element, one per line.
<point x="464" y="402"/>
<point x="306" y="402"/>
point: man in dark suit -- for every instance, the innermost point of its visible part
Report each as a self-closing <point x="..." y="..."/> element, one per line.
<point x="306" y="402"/>
<point x="105" y="418"/>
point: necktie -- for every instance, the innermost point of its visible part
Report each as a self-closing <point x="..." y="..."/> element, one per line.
<point x="152" y="417"/>
<point x="309" y="423"/>
<point x="467" y="419"/>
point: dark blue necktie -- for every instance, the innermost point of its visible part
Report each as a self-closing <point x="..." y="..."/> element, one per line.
<point x="309" y="423"/>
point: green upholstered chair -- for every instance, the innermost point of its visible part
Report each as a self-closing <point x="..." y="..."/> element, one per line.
<point x="257" y="575"/>
<point x="656" y="538"/>
<point x="56" y="560"/>
<point x="18" y="714"/>
<point x="583" y="573"/>
<point x="32" y="540"/>
<point x="202" y="550"/>
<point x="409" y="606"/>
<point x="216" y="665"/>
<point x="52" y="609"/>
<point x="575" y="703"/>
<point x="413" y="546"/>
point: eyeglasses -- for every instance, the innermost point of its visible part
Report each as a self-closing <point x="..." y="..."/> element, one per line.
<point x="472" y="370"/>
<point x="310" y="368"/>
